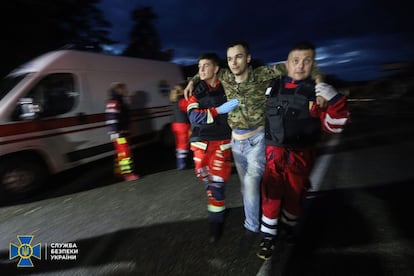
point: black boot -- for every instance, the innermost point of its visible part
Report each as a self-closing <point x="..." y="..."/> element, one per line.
<point x="215" y="231"/>
<point x="248" y="239"/>
<point x="181" y="164"/>
<point x="289" y="233"/>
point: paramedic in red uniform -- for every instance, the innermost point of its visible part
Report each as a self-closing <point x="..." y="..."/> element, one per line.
<point x="117" y="118"/>
<point x="294" y="123"/>
<point x="180" y="125"/>
<point x="210" y="139"/>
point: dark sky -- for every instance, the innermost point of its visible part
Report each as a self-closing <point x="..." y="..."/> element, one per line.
<point x="353" y="37"/>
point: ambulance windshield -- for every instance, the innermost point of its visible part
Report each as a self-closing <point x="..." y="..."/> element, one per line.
<point x="8" y="83"/>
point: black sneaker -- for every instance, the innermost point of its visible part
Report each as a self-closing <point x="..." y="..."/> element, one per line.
<point x="267" y="245"/>
<point x="215" y="231"/>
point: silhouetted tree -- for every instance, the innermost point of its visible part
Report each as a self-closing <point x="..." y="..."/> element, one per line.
<point x="144" y="39"/>
<point x="86" y="26"/>
<point x="30" y="28"/>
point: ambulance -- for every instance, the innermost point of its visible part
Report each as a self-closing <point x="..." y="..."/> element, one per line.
<point x="52" y="112"/>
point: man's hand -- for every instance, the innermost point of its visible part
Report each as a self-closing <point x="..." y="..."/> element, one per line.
<point x="188" y="91"/>
<point x="325" y="91"/>
<point x="319" y="78"/>
<point x="227" y="106"/>
<point x="321" y="102"/>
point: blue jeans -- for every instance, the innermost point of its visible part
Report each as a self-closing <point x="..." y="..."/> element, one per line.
<point x="250" y="160"/>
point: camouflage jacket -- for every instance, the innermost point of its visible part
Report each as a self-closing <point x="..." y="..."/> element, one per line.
<point x="250" y="93"/>
<point x="250" y="113"/>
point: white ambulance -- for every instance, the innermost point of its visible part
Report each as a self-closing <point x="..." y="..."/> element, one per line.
<point x="52" y="112"/>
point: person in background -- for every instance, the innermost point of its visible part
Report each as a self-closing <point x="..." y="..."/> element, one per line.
<point x="210" y="139"/>
<point x="180" y="125"/>
<point x="293" y="125"/>
<point x="117" y="119"/>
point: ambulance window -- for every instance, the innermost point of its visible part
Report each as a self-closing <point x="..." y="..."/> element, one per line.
<point x="55" y="94"/>
<point x="8" y="83"/>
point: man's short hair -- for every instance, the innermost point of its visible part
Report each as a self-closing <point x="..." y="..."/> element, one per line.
<point x="213" y="57"/>
<point x="303" y="45"/>
<point x="241" y="43"/>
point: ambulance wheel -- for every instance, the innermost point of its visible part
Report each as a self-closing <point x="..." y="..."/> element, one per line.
<point x="21" y="174"/>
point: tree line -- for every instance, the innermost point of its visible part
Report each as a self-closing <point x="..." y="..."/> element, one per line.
<point x="32" y="27"/>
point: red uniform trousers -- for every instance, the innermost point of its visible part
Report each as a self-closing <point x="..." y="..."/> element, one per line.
<point x="284" y="185"/>
<point x="181" y="133"/>
<point x="212" y="160"/>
